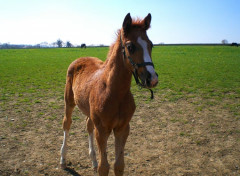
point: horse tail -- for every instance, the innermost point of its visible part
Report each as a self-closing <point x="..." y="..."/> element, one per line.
<point x="68" y="94"/>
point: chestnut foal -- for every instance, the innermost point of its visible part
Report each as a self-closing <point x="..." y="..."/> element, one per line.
<point x="101" y="90"/>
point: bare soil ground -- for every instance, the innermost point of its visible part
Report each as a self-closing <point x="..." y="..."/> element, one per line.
<point x="183" y="137"/>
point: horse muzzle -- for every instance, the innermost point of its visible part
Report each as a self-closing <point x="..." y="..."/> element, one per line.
<point x="149" y="80"/>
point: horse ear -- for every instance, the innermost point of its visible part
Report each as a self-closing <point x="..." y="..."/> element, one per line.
<point x="147" y="21"/>
<point x="127" y="23"/>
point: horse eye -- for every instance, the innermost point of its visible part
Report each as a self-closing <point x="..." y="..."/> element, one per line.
<point x="131" y="48"/>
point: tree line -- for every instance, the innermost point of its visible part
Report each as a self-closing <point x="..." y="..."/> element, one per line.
<point x="58" y="44"/>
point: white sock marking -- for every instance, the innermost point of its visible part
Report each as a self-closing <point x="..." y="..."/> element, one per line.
<point x="64" y="148"/>
<point x="92" y="153"/>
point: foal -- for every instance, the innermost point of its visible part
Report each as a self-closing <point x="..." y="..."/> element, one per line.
<point x="101" y="90"/>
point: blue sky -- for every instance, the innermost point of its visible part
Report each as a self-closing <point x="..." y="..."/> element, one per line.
<point x="96" y="22"/>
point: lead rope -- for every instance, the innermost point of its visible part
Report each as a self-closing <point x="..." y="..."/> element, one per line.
<point x="135" y="66"/>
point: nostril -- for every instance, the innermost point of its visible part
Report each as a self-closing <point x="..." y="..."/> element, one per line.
<point x="149" y="76"/>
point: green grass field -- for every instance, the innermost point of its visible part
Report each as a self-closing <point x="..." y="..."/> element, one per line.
<point x="190" y="128"/>
<point x="183" y="70"/>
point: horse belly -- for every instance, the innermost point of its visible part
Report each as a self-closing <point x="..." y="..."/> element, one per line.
<point x="81" y="98"/>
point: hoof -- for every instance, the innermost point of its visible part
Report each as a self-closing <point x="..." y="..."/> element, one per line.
<point x="63" y="166"/>
<point x="95" y="171"/>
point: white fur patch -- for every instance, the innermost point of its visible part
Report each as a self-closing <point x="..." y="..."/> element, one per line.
<point x="97" y="74"/>
<point x="64" y="148"/>
<point x="92" y="151"/>
<point x="146" y="56"/>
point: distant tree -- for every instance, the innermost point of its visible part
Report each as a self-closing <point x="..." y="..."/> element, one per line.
<point x="54" y="44"/>
<point x="5" y="45"/>
<point x="59" y="43"/>
<point x="68" y="44"/>
<point x="44" y="44"/>
<point x="224" y="42"/>
<point x="37" y="46"/>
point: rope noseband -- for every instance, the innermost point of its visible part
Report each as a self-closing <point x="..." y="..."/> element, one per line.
<point x="136" y="66"/>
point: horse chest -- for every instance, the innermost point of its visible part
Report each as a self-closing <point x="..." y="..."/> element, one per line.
<point x="114" y="113"/>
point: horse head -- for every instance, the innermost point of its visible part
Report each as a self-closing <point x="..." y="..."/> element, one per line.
<point x="137" y="49"/>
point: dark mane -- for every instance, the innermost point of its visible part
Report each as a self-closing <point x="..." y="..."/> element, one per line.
<point x="117" y="41"/>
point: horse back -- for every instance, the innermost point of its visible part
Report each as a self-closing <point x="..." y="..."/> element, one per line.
<point x="79" y="81"/>
<point x="84" y="65"/>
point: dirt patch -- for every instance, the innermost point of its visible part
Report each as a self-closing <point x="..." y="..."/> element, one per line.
<point x="184" y="137"/>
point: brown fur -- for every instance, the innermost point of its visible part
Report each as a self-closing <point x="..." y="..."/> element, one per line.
<point x="101" y="90"/>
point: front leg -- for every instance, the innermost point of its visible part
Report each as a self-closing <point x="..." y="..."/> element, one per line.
<point x="102" y="135"/>
<point x="121" y="135"/>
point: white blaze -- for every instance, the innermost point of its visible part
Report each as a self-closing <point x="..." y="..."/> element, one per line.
<point x="146" y="56"/>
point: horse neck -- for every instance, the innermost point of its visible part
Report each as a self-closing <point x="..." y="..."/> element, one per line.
<point x="118" y="73"/>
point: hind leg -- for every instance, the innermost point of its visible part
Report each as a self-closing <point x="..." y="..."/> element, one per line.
<point x="92" y="153"/>
<point x="67" y="121"/>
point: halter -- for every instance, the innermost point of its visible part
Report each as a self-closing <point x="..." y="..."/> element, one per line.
<point x="136" y="66"/>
